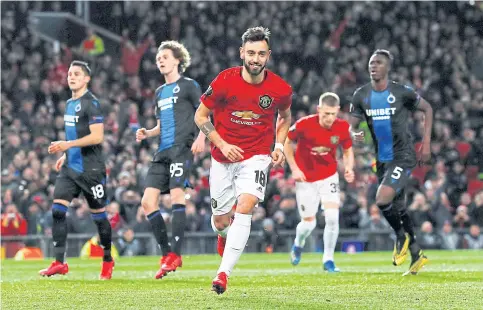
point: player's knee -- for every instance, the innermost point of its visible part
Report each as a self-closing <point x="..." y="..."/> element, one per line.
<point x="246" y="204"/>
<point x="149" y="205"/>
<point x="309" y="219"/>
<point x="219" y="223"/>
<point x="59" y="212"/>
<point x="177" y="196"/>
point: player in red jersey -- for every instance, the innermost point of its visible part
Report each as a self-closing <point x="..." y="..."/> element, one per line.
<point x="314" y="168"/>
<point x="244" y="101"/>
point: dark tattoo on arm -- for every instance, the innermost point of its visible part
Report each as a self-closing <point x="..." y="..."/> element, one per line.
<point x="207" y="128"/>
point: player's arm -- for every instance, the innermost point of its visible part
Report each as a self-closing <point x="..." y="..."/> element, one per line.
<point x="348" y="159"/>
<point x="143" y="133"/>
<point x="288" y="149"/>
<point x="428" y="125"/>
<point x="202" y="120"/>
<point x="95" y="137"/>
<point x="283" y="125"/>
<point x="356" y="118"/>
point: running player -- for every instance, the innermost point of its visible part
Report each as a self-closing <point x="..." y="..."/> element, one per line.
<point x="314" y="168"/>
<point x="81" y="169"/>
<point x="244" y="101"/>
<point x="386" y="106"/>
<point x="176" y="102"/>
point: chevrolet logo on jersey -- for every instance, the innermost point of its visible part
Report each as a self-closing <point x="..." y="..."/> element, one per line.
<point x="381" y="114"/>
<point x="320" y="150"/>
<point x="246" y="114"/>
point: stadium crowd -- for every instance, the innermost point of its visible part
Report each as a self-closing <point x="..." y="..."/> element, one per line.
<point x="317" y="46"/>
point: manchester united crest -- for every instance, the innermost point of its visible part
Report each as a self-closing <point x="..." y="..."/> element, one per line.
<point x="265" y="102"/>
<point x="334" y="139"/>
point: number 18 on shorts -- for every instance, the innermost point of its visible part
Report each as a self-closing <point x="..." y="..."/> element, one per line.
<point x="229" y="180"/>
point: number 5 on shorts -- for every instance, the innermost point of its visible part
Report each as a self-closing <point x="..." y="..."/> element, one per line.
<point x="396" y="173"/>
<point x="97" y="191"/>
<point x="176" y="169"/>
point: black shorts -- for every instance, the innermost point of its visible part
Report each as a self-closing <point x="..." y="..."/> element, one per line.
<point x="395" y="174"/>
<point x="69" y="184"/>
<point x="170" y="169"/>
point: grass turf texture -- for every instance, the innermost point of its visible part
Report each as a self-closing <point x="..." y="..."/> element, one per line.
<point x="451" y="280"/>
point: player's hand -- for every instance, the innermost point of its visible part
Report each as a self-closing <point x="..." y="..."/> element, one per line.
<point x="424" y="154"/>
<point x="232" y="152"/>
<point x="349" y="175"/>
<point x="198" y="146"/>
<point x="298" y="175"/>
<point x="278" y="158"/>
<point x="141" y="134"/>
<point x="358" y="136"/>
<point x="59" y="163"/>
<point x="58" y="146"/>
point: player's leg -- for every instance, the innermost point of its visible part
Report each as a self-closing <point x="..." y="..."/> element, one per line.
<point x="418" y="259"/>
<point x="93" y="187"/>
<point x="157" y="182"/>
<point x="180" y="170"/>
<point x="65" y="190"/>
<point x="250" y="182"/>
<point x="222" y="200"/>
<point x="393" y="180"/>
<point x="308" y="200"/>
<point x="330" y="193"/>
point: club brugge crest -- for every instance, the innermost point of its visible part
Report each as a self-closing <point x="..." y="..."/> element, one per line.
<point x="265" y="101"/>
<point x="334" y="139"/>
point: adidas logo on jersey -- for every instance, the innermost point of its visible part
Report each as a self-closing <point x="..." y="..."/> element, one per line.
<point x="381" y="114"/>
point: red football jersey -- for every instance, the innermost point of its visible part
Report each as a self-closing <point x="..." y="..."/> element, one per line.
<point x="244" y="113"/>
<point x="317" y="146"/>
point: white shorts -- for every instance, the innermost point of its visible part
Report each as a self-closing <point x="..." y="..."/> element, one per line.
<point x="230" y="180"/>
<point x="310" y="194"/>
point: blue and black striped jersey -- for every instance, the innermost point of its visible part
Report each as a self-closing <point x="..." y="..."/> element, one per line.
<point x="387" y="113"/>
<point x="176" y="104"/>
<point x="79" y="115"/>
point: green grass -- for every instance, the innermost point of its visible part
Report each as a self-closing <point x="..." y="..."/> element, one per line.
<point x="452" y="280"/>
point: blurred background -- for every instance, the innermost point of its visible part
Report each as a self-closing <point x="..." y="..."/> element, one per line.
<point x="316" y="47"/>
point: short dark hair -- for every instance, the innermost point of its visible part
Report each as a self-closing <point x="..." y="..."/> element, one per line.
<point x="255" y="34"/>
<point x="384" y="53"/>
<point x="84" y="65"/>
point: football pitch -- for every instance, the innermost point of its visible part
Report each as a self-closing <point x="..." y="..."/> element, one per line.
<point x="451" y="280"/>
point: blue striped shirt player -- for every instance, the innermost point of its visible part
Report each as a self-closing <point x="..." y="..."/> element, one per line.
<point x="81" y="170"/>
<point x="175" y="104"/>
<point x="387" y="107"/>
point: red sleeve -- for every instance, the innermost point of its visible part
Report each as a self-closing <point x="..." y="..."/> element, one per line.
<point x="286" y="100"/>
<point x="294" y="131"/>
<point x="215" y="93"/>
<point x="346" y="140"/>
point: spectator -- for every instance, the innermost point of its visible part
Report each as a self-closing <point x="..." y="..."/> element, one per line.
<point x="92" y="45"/>
<point x="13" y="224"/>
<point x="128" y="245"/>
<point x="427" y="238"/>
<point x="449" y="239"/>
<point x="473" y="240"/>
